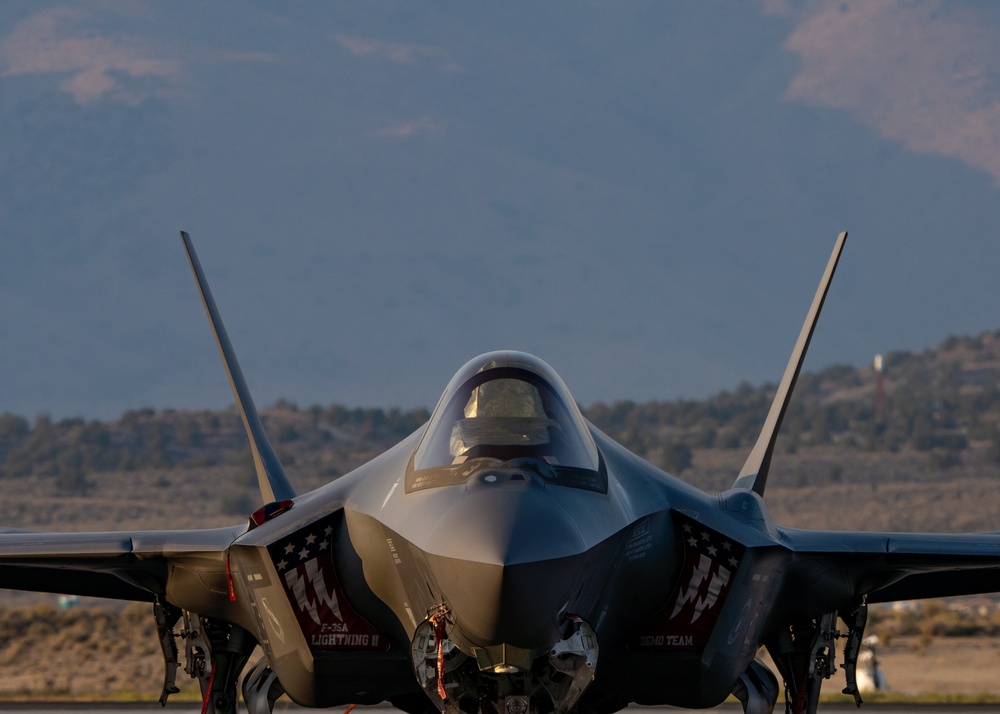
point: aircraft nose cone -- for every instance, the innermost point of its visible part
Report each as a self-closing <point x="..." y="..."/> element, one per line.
<point x="508" y="560"/>
<point x="505" y="518"/>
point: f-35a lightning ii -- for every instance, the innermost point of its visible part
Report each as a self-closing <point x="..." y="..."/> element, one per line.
<point x="507" y="558"/>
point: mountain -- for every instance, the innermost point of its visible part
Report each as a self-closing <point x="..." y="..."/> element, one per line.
<point x="644" y="195"/>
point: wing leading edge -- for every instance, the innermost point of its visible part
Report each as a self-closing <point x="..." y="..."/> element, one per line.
<point x="135" y="566"/>
<point x="880" y="567"/>
<point x="840" y="568"/>
<point x="125" y="566"/>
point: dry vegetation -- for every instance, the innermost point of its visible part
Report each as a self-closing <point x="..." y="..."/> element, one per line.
<point x="95" y="652"/>
<point x="929" y="460"/>
<point x="81" y="653"/>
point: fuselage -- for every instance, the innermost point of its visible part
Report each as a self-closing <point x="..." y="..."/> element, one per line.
<point x="523" y="556"/>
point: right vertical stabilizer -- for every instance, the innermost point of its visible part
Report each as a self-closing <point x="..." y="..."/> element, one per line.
<point x="274" y="484"/>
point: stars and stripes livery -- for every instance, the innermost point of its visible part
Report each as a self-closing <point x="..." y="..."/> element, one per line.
<point x="709" y="568"/>
<point x="305" y="567"/>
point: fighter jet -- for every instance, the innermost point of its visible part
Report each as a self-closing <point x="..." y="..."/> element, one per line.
<point x="507" y="558"/>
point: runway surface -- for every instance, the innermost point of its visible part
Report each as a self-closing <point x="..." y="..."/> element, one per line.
<point x="187" y="708"/>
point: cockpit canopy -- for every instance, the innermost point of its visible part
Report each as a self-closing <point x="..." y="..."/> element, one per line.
<point x="507" y="410"/>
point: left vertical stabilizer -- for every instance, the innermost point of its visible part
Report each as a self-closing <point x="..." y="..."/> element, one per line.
<point x="274" y="484"/>
<point x="753" y="476"/>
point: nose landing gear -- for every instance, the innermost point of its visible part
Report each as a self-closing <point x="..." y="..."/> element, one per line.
<point x="503" y="679"/>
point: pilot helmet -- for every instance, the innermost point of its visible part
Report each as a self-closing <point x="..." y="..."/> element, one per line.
<point x="501" y="412"/>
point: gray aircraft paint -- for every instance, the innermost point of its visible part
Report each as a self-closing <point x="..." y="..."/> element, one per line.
<point x="533" y="582"/>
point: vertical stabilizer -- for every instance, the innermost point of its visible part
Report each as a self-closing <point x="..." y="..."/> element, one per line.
<point x="753" y="476"/>
<point x="274" y="484"/>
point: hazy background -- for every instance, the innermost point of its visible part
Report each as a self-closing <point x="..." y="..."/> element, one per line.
<point x="644" y="194"/>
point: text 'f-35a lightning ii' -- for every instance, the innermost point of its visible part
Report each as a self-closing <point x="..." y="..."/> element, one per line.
<point x="507" y="558"/>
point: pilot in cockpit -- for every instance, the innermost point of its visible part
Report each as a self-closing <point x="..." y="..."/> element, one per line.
<point x="501" y="414"/>
<point x="507" y="410"/>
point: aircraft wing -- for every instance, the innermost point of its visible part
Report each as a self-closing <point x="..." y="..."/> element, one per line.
<point x="831" y="568"/>
<point x="121" y="565"/>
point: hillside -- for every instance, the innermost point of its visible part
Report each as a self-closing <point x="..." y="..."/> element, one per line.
<point x="930" y="461"/>
<point x="845" y="460"/>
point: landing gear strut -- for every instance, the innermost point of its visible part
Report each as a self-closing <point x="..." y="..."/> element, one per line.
<point x="215" y="653"/>
<point x="805" y="655"/>
<point x="503" y="679"/>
